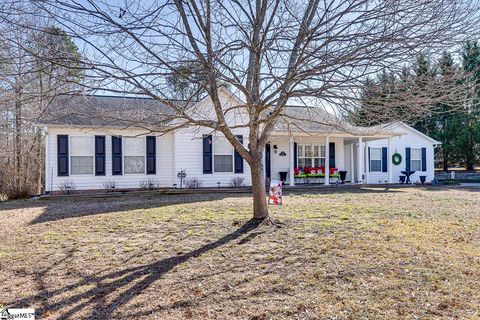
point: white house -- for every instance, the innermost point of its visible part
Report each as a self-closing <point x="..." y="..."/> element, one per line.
<point x="90" y="153"/>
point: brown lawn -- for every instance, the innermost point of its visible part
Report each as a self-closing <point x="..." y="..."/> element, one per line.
<point x="353" y="254"/>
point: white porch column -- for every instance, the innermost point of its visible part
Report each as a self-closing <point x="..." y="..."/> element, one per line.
<point x="360" y="165"/>
<point x="389" y="161"/>
<point x="327" y="160"/>
<point x="352" y="165"/>
<point x="367" y="164"/>
<point x="291" y="165"/>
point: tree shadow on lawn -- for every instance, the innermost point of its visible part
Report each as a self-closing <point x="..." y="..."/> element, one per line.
<point x="140" y="278"/>
<point x="74" y="207"/>
<point x="59" y="209"/>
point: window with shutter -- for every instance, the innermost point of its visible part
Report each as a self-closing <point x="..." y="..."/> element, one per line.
<point x="416" y="159"/>
<point x="222" y="155"/>
<point x="81" y="155"/>
<point x="134" y="155"/>
<point x="375" y="159"/>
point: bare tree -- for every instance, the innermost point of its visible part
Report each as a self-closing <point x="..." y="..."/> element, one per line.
<point x="31" y="74"/>
<point x="270" y="52"/>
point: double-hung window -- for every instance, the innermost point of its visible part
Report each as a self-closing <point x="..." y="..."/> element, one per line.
<point x="375" y="159"/>
<point x="134" y="155"/>
<point x="304" y="155"/>
<point x="416" y="159"/>
<point x="81" y="155"/>
<point x="309" y="155"/>
<point x="318" y="156"/>
<point x="222" y="155"/>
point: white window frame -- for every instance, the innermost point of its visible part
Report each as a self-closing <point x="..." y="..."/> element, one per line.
<point x="312" y="155"/>
<point x="70" y="155"/>
<point x="419" y="159"/>
<point x="372" y="159"/>
<point x="144" y="156"/>
<point x="213" y="155"/>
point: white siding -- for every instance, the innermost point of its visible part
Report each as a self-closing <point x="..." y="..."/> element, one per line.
<point x="189" y="157"/>
<point x="163" y="176"/>
<point x="411" y="140"/>
<point x="279" y="163"/>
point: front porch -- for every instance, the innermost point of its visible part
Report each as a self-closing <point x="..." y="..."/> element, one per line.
<point x="303" y="159"/>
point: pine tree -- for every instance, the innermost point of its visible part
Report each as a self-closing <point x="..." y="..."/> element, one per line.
<point x="447" y="120"/>
<point x="423" y="77"/>
<point x="467" y="147"/>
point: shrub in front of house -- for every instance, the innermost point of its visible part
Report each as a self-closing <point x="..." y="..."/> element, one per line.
<point x="193" y="183"/>
<point x="236" y="182"/>
<point x="67" y="187"/>
<point x="109" y="186"/>
<point x="148" y="184"/>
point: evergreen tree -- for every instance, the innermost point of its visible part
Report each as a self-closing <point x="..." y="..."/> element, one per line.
<point x="447" y="120"/>
<point x="467" y="146"/>
<point x="424" y="75"/>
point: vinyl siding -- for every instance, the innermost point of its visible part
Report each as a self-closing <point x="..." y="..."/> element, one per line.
<point x="189" y="157"/>
<point x="399" y="144"/>
<point x="163" y="177"/>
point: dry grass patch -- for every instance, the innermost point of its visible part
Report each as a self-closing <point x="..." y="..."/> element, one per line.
<point x="371" y="253"/>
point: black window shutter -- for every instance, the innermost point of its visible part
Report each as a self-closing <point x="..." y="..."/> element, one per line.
<point x="151" y="155"/>
<point x="295" y="159"/>
<point x="424" y="159"/>
<point x="238" y="160"/>
<point x="407" y="159"/>
<point x="384" y="159"/>
<point x="116" y="156"/>
<point x="62" y="155"/>
<point x="331" y="160"/>
<point x="369" y="170"/>
<point x="99" y="155"/>
<point x="207" y="154"/>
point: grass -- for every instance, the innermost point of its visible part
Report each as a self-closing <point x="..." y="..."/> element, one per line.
<point x="366" y="253"/>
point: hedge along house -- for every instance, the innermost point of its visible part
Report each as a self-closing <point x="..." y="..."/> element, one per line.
<point x="96" y="146"/>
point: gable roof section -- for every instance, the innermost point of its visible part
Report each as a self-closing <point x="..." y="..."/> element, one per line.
<point x="415" y="131"/>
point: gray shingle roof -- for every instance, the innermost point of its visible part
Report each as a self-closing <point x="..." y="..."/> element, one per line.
<point x="102" y="111"/>
<point x="112" y="111"/>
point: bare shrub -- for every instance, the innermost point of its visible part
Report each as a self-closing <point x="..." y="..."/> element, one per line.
<point x="109" y="186"/>
<point x="148" y="184"/>
<point x="67" y="187"/>
<point x="193" y="183"/>
<point x="16" y="185"/>
<point x="236" y="182"/>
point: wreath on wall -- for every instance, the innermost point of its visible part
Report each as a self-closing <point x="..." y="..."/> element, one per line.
<point x="396" y="158"/>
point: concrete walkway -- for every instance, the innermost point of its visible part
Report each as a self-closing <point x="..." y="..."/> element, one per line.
<point x="470" y="185"/>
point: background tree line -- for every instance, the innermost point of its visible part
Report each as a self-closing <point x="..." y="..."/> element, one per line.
<point x="453" y="118"/>
<point x="37" y="63"/>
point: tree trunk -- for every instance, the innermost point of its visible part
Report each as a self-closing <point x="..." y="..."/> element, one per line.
<point x="445" y="161"/>
<point x="260" y="208"/>
<point x="445" y="165"/>
<point x="18" y="135"/>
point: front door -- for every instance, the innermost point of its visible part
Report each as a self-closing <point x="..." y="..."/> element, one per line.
<point x="268" y="167"/>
